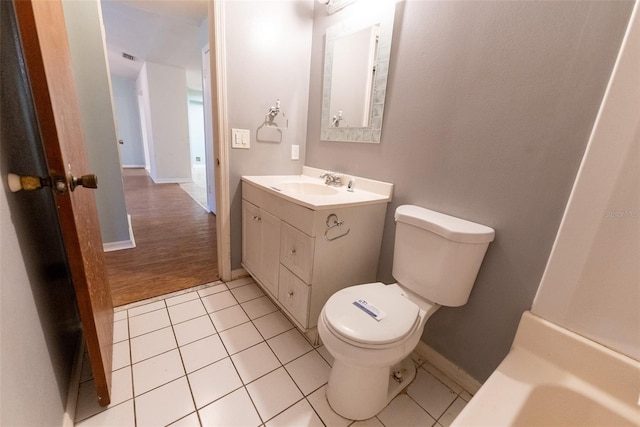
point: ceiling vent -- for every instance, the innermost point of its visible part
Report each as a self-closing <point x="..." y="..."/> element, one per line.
<point x="129" y="57"/>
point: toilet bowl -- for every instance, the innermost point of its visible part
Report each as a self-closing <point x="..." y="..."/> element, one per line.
<point x="371" y="329"/>
<point x="369" y="367"/>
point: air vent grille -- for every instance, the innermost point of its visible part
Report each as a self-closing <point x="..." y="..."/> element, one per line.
<point x="129" y="57"/>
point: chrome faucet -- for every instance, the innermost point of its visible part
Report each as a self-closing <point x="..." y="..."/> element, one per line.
<point x="331" y="178"/>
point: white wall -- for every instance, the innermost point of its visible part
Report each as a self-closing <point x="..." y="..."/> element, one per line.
<point x="196" y="131"/>
<point x="125" y="100"/>
<point x="268" y="45"/>
<point x="28" y="371"/>
<point x="39" y="322"/>
<point x="142" y="90"/>
<point x="592" y="281"/>
<point x="164" y="90"/>
<point x="91" y="75"/>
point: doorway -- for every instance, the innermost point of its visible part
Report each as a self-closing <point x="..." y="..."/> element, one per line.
<point x="175" y="237"/>
<point x="176" y="244"/>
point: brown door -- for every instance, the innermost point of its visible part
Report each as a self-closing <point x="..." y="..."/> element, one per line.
<point x="48" y="63"/>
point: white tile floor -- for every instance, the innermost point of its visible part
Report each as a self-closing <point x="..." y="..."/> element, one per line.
<point x="224" y="355"/>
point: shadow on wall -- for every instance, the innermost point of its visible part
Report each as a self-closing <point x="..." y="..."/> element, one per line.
<point x="39" y="245"/>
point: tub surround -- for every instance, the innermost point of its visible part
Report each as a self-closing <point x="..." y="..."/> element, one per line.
<point x="542" y="382"/>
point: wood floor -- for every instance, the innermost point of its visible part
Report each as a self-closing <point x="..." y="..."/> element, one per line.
<point x="175" y="242"/>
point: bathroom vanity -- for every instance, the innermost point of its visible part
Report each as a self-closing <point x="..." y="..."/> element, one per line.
<point x="303" y="240"/>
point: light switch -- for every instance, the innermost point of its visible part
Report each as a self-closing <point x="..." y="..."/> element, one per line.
<point x="240" y="138"/>
<point x="295" y="152"/>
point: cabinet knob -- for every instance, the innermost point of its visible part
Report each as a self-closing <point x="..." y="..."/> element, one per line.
<point x="292" y="251"/>
<point x="256" y="218"/>
<point x="289" y="294"/>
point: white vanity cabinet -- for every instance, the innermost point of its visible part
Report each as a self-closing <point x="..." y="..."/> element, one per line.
<point x="297" y="256"/>
<point x="261" y="244"/>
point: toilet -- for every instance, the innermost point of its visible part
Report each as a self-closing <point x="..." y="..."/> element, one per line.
<point x="371" y="329"/>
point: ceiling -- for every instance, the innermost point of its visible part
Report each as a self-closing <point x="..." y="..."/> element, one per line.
<point x="162" y="31"/>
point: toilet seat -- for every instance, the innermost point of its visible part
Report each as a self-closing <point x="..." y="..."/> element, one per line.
<point x="355" y="324"/>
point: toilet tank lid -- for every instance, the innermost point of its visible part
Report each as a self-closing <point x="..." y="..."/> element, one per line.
<point x="447" y="226"/>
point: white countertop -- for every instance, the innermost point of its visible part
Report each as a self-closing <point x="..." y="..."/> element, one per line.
<point x="365" y="191"/>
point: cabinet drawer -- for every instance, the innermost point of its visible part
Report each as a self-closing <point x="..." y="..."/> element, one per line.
<point x="296" y="251"/>
<point x="294" y="295"/>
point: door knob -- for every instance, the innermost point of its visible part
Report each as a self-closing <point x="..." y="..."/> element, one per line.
<point x="86" y="181"/>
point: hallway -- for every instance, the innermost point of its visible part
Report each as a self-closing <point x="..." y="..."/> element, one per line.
<point x="175" y="242"/>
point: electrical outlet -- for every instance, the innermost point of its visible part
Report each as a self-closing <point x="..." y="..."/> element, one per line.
<point x="240" y="138"/>
<point x="295" y="152"/>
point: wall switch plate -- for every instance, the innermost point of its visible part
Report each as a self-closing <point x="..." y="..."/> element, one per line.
<point x="295" y="152"/>
<point x="240" y="138"/>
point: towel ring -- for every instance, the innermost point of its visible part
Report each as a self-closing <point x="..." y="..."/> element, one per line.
<point x="332" y="222"/>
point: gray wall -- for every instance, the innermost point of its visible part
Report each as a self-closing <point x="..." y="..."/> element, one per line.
<point x="39" y="323"/>
<point x="601" y="300"/>
<point x="89" y="62"/>
<point x="489" y="107"/>
<point x="268" y="46"/>
<point x="125" y="100"/>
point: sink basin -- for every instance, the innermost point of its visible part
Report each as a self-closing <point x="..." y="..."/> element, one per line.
<point x="310" y="188"/>
<point x="310" y="191"/>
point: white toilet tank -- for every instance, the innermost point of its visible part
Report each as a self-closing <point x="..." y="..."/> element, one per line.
<point x="438" y="256"/>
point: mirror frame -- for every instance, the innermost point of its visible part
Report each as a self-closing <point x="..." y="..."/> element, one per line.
<point x="373" y="132"/>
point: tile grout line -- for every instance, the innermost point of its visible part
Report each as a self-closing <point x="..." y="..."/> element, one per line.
<point x="234" y="367"/>
<point x="133" y="389"/>
<point x="264" y="340"/>
<point x="244" y="386"/>
<point x="184" y="368"/>
<point x="208" y="314"/>
<point x="282" y="365"/>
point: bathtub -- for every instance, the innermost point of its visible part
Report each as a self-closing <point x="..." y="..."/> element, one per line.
<point x="554" y="377"/>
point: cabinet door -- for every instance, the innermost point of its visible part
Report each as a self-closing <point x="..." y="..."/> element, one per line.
<point x="270" y="251"/>
<point x="251" y="237"/>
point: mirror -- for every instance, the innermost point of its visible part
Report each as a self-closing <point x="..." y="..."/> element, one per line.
<point x="356" y="66"/>
<point x="352" y="76"/>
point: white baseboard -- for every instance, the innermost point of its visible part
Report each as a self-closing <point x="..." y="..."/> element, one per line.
<point x="171" y="180"/>
<point x="450" y="369"/>
<point x="132" y="166"/>
<point x="74" y="385"/>
<point x="124" y="244"/>
<point x="118" y="246"/>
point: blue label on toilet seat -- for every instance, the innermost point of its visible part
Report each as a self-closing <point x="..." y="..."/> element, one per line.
<point x="370" y="309"/>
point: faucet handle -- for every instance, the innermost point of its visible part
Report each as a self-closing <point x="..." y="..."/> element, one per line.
<point x="328" y="177"/>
